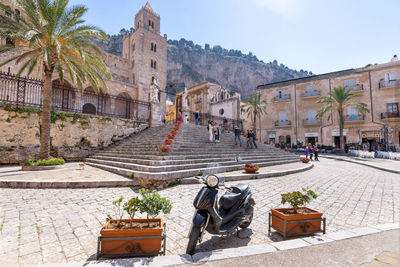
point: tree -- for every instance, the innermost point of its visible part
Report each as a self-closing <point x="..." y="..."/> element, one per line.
<point x="207" y="47"/>
<point x="52" y="38"/>
<point x="255" y="107"/>
<point x="337" y="101"/>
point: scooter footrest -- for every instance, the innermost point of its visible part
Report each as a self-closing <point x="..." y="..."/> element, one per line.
<point x="233" y="224"/>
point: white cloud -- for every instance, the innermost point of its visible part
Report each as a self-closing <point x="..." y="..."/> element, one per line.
<point x="285" y="8"/>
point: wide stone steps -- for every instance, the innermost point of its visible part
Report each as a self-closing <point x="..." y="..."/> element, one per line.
<point x="179" y="174"/>
<point x="166" y="168"/>
<point x="191" y="153"/>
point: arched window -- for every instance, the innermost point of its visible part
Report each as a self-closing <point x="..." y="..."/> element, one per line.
<point x="152" y="47"/>
<point x="89" y="108"/>
<point x="152" y="79"/>
<point x="152" y="24"/>
<point x="155" y="48"/>
<point x="151" y="63"/>
<point x="155" y="64"/>
<point x="149" y="23"/>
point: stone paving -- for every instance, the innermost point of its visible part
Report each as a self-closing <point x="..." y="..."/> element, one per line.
<point x="60" y="225"/>
<point x="68" y="172"/>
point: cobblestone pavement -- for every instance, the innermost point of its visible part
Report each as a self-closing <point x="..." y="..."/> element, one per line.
<point x="60" y="225"/>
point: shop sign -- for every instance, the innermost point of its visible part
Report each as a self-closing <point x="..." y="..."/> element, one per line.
<point x="336" y="132"/>
<point x="311" y="134"/>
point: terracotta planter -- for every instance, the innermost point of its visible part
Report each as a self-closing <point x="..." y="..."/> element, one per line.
<point x="251" y="170"/>
<point x="165" y="149"/>
<point x="266" y="142"/>
<point x="135" y="246"/>
<point x="294" y="227"/>
<point x="171" y="136"/>
<point x="167" y="142"/>
<point x="305" y="160"/>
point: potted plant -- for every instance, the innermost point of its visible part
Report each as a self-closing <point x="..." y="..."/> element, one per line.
<point x="174" y="132"/>
<point x="287" y="149"/>
<point x="171" y="136"/>
<point x="298" y="219"/>
<point x="250" y="168"/>
<point x="266" y="142"/>
<point x="167" y="141"/>
<point x="165" y="148"/>
<point x="150" y="203"/>
<point x="305" y="160"/>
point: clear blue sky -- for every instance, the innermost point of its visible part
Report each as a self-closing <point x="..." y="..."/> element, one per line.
<point x="317" y="35"/>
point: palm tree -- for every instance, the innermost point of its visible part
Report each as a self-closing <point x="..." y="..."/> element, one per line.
<point x="255" y="107"/>
<point x="338" y="100"/>
<point x="52" y="38"/>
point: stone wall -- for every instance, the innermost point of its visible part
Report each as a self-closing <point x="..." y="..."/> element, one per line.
<point x="73" y="137"/>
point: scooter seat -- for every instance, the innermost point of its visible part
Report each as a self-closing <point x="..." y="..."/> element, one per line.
<point x="240" y="188"/>
<point x="229" y="199"/>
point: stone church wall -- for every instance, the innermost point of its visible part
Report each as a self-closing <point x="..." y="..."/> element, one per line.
<point x="73" y="137"/>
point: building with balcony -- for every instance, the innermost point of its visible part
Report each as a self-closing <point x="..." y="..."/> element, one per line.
<point x="292" y="108"/>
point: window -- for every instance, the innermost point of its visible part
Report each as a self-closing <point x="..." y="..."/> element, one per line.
<point x="221" y="111"/>
<point x="281" y="94"/>
<point x="349" y="84"/>
<point x="152" y="47"/>
<point x="133" y="47"/>
<point x="352" y="113"/>
<point x="155" y="64"/>
<point x="155" y="48"/>
<point x="389" y="77"/>
<point x="282" y="116"/>
<point x="152" y="79"/>
<point x="151" y="64"/>
<point x="310" y="88"/>
<point x="393" y="108"/>
<point x="133" y="64"/>
<point x="149" y="22"/>
<point x="152" y="24"/>
<point x="311" y="115"/>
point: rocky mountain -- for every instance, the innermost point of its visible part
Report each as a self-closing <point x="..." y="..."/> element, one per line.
<point x="190" y="63"/>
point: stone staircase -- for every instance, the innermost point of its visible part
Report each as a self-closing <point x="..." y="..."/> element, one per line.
<point x="139" y="157"/>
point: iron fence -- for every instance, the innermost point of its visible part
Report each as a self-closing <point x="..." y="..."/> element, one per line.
<point x="227" y="123"/>
<point x="27" y="92"/>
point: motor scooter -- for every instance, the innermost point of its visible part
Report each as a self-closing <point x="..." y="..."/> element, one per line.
<point x="234" y="209"/>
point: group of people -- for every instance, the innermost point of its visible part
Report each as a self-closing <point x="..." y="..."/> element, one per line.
<point x="214" y="130"/>
<point x="312" y="151"/>
<point x="251" y="138"/>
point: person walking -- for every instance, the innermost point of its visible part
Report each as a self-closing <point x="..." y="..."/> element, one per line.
<point x="238" y="132"/>
<point x="311" y="151"/>
<point x="211" y="131"/>
<point x="217" y="132"/>
<point x="196" y="118"/>
<point x="307" y="151"/>
<point x="316" y="151"/>
<point x="253" y="139"/>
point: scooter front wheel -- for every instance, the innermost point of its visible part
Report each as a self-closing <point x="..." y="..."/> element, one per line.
<point x="193" y="239"/>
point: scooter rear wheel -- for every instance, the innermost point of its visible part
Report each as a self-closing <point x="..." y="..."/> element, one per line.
<point x="193" y="239"/>
<point x="250" y="214"/>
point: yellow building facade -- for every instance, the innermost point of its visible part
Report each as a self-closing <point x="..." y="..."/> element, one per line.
<point x="291" y="110"/>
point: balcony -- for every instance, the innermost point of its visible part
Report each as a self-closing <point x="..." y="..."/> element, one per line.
<point x="390" y="115"/>
<point x="283" y="124"/>
<point x="389" y="84"/>
<point x="283" y="98"/>
<point x="354" y="118"/>
<point x="357" y="88"/>
<point x="312" y="122"/>
<point x="311" y="94"/>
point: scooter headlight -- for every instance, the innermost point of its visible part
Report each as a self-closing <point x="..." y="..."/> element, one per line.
<point x="212" y="181"/>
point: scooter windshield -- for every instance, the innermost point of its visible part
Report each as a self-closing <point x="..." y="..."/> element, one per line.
<point x="215" y="169"/>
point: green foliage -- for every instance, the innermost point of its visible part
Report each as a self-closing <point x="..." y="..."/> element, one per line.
<point x="44" y="162"/>
<point x="255" y="107"/>
<point x="152" y="203"/>
<point x="118" y="210"/>
<point x="76" y="117"/>
<point x="132" y="175"/>
<point x="55" y="116"/>
<point x="131" y="207"/>
<point x="8" y="120"/>
<point x="177" y="182"/>
<point x="297" y="198"/>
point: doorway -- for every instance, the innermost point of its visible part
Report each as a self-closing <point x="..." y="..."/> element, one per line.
<point x="337" y="141"/>
<point x="311" y="140"/>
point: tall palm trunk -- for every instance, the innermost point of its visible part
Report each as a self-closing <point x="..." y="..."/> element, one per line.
<point x="341" y="126"/>
<point x="255" y="123"/>
<point x="45" y="116"/>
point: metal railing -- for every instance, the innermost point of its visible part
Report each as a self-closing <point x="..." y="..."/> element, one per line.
<point x="311" y="93"/>
<point x="388" y="84"/>
<point x="283" y="123"/>
<point x="313" y="121"/>
<point x="387" y="115"/>
<point x="284" y="97"/>
<point x="27" y="92"/>
<point x="354" y="118"/>
<point x="226" y="123"/>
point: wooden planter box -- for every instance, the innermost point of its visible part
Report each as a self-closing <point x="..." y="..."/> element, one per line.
<point x="296" y="224"/>
<point x="251" y="170"/>
<point x="132" y="242"/>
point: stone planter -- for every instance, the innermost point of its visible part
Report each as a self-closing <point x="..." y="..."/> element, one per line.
<point x="112" y="242"/>
<point x="39" y="168"/>
<point x="296" y="224"/>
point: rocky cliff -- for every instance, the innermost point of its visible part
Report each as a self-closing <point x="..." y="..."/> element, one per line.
<point x="190" y="63"/>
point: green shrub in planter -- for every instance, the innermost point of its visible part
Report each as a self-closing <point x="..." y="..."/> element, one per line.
<point x="44" y="162"/>
<point x="152" y="203"/>
<point x="297" y="198"/>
